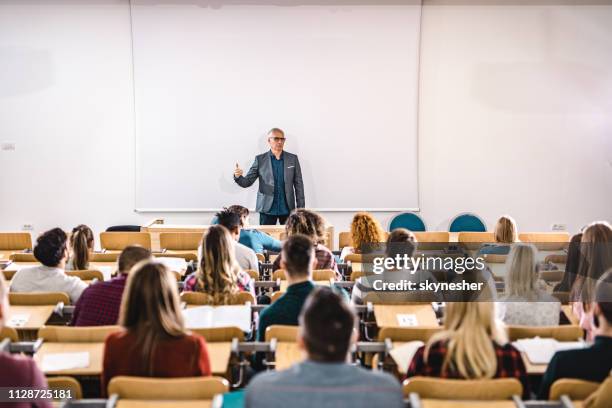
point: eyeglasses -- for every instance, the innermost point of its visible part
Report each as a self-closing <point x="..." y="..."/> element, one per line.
<point x="279" y="139"/>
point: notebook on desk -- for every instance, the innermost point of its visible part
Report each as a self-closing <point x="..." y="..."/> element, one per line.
<point x="206" y="317"/>
<point x="541" y="350"/>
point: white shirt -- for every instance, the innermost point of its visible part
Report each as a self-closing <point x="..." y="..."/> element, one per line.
<point x="46" y="279"/>
<point x="245" y="257"/>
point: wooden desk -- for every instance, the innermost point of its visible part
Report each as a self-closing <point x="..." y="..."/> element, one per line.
<point x="219" y="354"/>
<point x="37" y="317"/>
<point x="287" y="354"/>
<point x="170" y="404"/>
<point x="284" y="285"/>
<point x="386" y="315"/>
<point x="431" y="403"/>
<point x="95" y="351"/>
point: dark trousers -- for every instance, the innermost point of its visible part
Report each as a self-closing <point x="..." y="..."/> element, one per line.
<point x="268" y="219"/>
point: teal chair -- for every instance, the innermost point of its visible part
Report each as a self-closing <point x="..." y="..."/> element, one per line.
<point x="408" y="220"/>
<point x="467" y="222"/>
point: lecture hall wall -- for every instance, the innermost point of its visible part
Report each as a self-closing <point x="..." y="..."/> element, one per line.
<point x="514" y="116"/>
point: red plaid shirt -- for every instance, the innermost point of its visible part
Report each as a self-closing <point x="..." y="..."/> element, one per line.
<point x="99" y="304"/>
<point x="509" y="364"/>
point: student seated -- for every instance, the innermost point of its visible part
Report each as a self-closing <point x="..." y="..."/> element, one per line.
<point x="51" y="252"/>
<point x="595" y="362"/>
<point x="366" y="234"/>
<point x="312" y="225"/>
<point x="505" y="235"/>
<point x="571" y="265"/>
<point x="328" y="328"/>
<point x="17" y="371"/>
<point x="471" y="346"/>
<point x="524" y="302"/>
<point x="81" y="245"/>
<point x="154" y="341"/>
<point x="99" y="304"/>
<point x="218" y="274"/>
<point x="256" y="240"/>
<point x="244" y="255"/>
<point x="400" y="242"/>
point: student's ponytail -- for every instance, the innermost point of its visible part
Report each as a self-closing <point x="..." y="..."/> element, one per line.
<point x="81" y="242"/>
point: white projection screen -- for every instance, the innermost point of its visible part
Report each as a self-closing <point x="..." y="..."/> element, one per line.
<point x="212" y="77"/>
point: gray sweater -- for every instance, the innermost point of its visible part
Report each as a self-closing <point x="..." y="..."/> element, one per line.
<point x="313" y="384"/>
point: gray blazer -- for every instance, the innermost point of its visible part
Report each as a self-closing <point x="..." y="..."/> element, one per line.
<point x="262" y="170"/>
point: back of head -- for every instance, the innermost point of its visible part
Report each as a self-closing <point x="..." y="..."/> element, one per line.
<point x="596" y="247"/>
<point x="365" y="230"/>
<point x="130" y="256"/>
<point x="326" y="326"/>
<point x="150" y="308"/>
<point x="229" y="219"/>
<point x="216" y="275"/>
<point x="603" y="296"/>
<point x="297" y="255"/>
<point x="505" y="230"/>
<point x="401" y="242"/>
<point x="572" y="263"/>
<point x="242" y="212"/>
<point x="521" y="275"/>
<point x="50" y="247"/>
<point x="307" y="223"/>
<point x="81" y="242"/>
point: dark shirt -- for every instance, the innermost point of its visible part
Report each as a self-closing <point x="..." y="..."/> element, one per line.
<point x="590" y="364"/>
<point x="18" y="372"/>
<point x="509" y="364"/>
<point x="279" y="205"/>
<point x="100" y="303"/>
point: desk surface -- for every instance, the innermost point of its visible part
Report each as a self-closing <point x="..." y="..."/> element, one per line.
<point x="37" y="316"/>
<point x="287" y="354"/>
<point x="95" y="350"/>
<point x="386" y="315"/>
<point x="169" y="404"/>
<point x="430" y="403"/>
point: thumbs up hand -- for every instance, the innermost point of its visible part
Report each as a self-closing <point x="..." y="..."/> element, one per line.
<point x="237" y="171"/>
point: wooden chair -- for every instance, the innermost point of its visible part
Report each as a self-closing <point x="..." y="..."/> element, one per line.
<point x="15" y="241"/>
<point x="260" y="257"/>
<point x="344" y="240"/>
<point x="199" y="298"/>
<point x="546" y="241"/>
<point x="275" y="296"/>
<point x="104" y="257"/>
<point x="317" y="275"/>
<point x="253" y="274"/>
<point x="432" y="236"/>
<point x="495" y="258"/>
<point x="444" y="388"/>
<point x="180" y="241"/>
<point x="575" y="389"/>
<point x="66" y="334"/>
<point x="23" y="257"/>
<point x="601" y="397"/>
<point x="165" y="389"/>
<point x="406" y="334"/>
<point x="38" y="298"/>
<point x="559" y="333"/>
<point x="187" y="256"/>
<point x="66" y="383"/>
<point x="8" y="275"/>
<point x="556" y="258"/>
<point x="282" y="333"/>
<point x="220" y="334"/>
<point x="474" y="240"/>
<point x="87" y="275"/>
<point x="552" y="276"/>
<point x="9" y="333"/>
<point x="117" y="241"/>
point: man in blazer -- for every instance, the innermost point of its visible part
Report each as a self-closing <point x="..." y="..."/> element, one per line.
<point x="281" y="188"/>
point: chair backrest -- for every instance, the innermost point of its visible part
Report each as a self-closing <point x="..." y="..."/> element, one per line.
<point x="556" y="258"/>
<point x="467" y="222"/>
<point x="344" y="239"/>
<point x="279" y="274"/>
<point x="405" y="334"/>
<point x="474" y="240"/>
<point x="601" y="397"/>
<point x="104" y="257"/>
<point x="23" y="257"/>
<point x="575" y="389"/>
<point x="560" y="333"/>
<point x="548" y="241"/>
<point x="282" y="333"/>
<point x="66" y="383"/>
<point x="87" y="275"/>
<point x="408" y="220"/>
<point x="117" y="241"/>
<point x="495" y="258"/>
<point x="552" y="276"/>
<point x="147" y="388"/>
<point x="253" y="274"/>
<point x="67" y="334"/>
<point x="199" y="298"/>
<point x="444" y="388"/>
<point x="317" y="274"/>
<point x="38" y="298"/>
<point x="9" y="333"/>
<point x="187" y="256"/>
<point x="15" y="241"/>
<point x="432" y="236"/>
<point x="260" y="257"/>
<point x="275" y="296"/>
<point x="180" y="241"/>
<point x="220" y="334"/>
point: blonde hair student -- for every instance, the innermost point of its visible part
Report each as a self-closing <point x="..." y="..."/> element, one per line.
<point x="505" y="230"/>
<point x="154" y="341"/>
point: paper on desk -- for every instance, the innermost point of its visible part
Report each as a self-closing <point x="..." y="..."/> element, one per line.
<point x="18" y="320"/>
<point x="407" y="320"/>
<point x="174" y="264"/>
<point x="204" y="317"/>
<point x="65" y="361"/>
<point x="403" y="354"/>
<point x="541" y="351"/>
